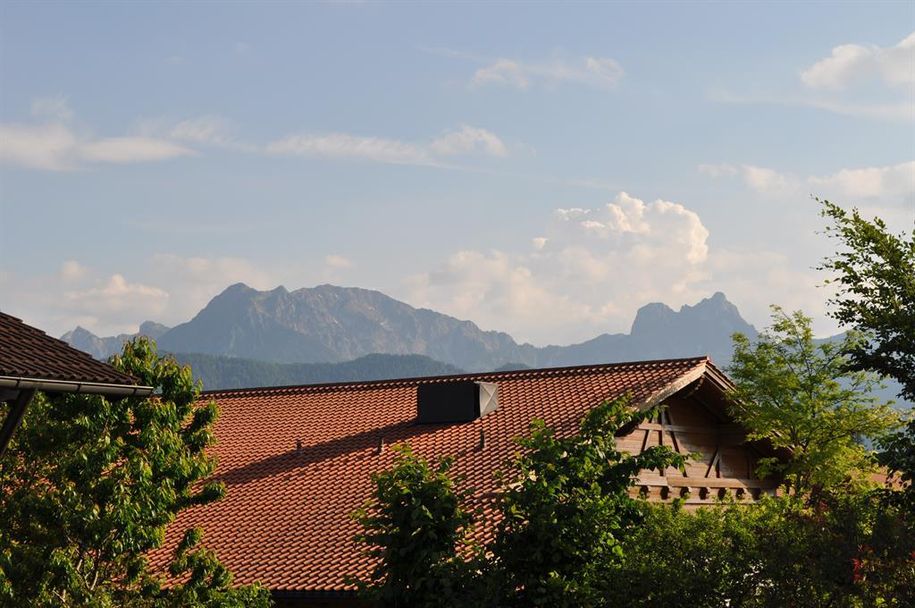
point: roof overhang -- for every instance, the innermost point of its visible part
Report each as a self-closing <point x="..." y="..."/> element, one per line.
<point x="72" y="386"/>
<point x="704" y="372"/>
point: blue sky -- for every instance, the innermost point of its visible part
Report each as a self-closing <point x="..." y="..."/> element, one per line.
<point x="543" y="169"/>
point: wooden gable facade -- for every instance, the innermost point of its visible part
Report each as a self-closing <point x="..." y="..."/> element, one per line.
<point x="695" y="422"/>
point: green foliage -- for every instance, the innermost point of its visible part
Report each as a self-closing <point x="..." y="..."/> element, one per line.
<point x="413" y="526"/>
<point x="897" y="455"/>
<point x="566" y="509"/>
<point x="802" y="397"/>
<point x="875" y="276"/>
<point x="89" y="486"/>
<point x="779" y="552"/>
<point x="680" y="559"/>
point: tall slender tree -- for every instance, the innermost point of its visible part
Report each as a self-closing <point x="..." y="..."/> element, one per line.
<point x="874" y="273"/>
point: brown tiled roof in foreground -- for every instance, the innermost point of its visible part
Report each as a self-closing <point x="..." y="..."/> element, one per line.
<point x="27" y="352"/>
<point x="286" y="520"/>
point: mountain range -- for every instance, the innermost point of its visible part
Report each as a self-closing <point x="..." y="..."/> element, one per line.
<point x="329" y="324"/>
<point x="246" y="337"/>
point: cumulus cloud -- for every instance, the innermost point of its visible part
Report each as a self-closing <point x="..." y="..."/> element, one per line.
<point x="167" y="288"/>
<point x="595" y="266"/>
<point x="852" y="63"/>
<point x="464" y="141"/>
<point x="871" y="82"/>
<point x="117" y="300"/>
<point x="199" y="278"/>
<point x="589" y="271"/>
<point x="596" y="72"/>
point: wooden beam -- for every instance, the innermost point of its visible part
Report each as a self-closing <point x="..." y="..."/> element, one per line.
<point x="721" y="429"/>
<point x="14" y="417"/>
<point x="711" y="482"/>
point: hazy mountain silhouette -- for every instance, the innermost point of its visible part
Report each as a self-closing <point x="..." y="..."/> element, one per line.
<point x="246" y="337"/>
<point x="329" y="324"/>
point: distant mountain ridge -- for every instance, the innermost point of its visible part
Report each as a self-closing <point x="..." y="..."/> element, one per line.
<point x="327" y="333"/>
<point x="332" y="324"/>
<point x="329" y="324"/>
<point x="217" y="372"/>
<point x="102" y="348"/>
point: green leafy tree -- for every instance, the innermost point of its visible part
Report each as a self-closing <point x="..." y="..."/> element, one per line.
<point x="677" y="558"/>
<point x="874" y="271"/>
<point x="567" y="509"/>
<point x="415" y="527"/>
<point x="801" y="396"/>
<point x="778" y="552"/>
<point x="90" y="485"/>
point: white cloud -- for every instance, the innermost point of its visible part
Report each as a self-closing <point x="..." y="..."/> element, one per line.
<point x="719" y="170"/>
<point x="852" y="63"/>
<point x="51" y="147"/>
<point x="589" y="273"/>
<point x="504" y="72"/>
<point x="467" y="140"/>
<point x="199" y="278"/>
<point x="599" y="264"/>
<point x="894" y="182"/>
<point x="343" y="146"/>
<point x="890" y="184"/>
<point x="869" y="82"/>
<point x="55" y="146"/>
<point x="203" y="130"/>
<point x="71" y="270"/>
<point x="596" y="72"/>
<point x="117" y="300"/>
<point x="167" y="288"/>
<point x="338" y="262"/>
<point x="122" y="150"/>
<point x="763" y="179"/>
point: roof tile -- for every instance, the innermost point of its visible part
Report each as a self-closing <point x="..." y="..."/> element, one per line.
<point x="27" y="352"/>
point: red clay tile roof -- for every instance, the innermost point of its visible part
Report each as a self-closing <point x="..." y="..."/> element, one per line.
<point x="285" y="521"/>
<point x="27" y="352"/>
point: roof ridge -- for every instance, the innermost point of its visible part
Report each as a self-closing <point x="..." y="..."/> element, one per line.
<point x="394" y="382"/>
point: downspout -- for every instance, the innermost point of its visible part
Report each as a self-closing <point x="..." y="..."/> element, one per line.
<point x="14" y="418"/>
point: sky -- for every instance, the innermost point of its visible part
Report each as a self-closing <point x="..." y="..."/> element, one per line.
<point x="542" y="169"/>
